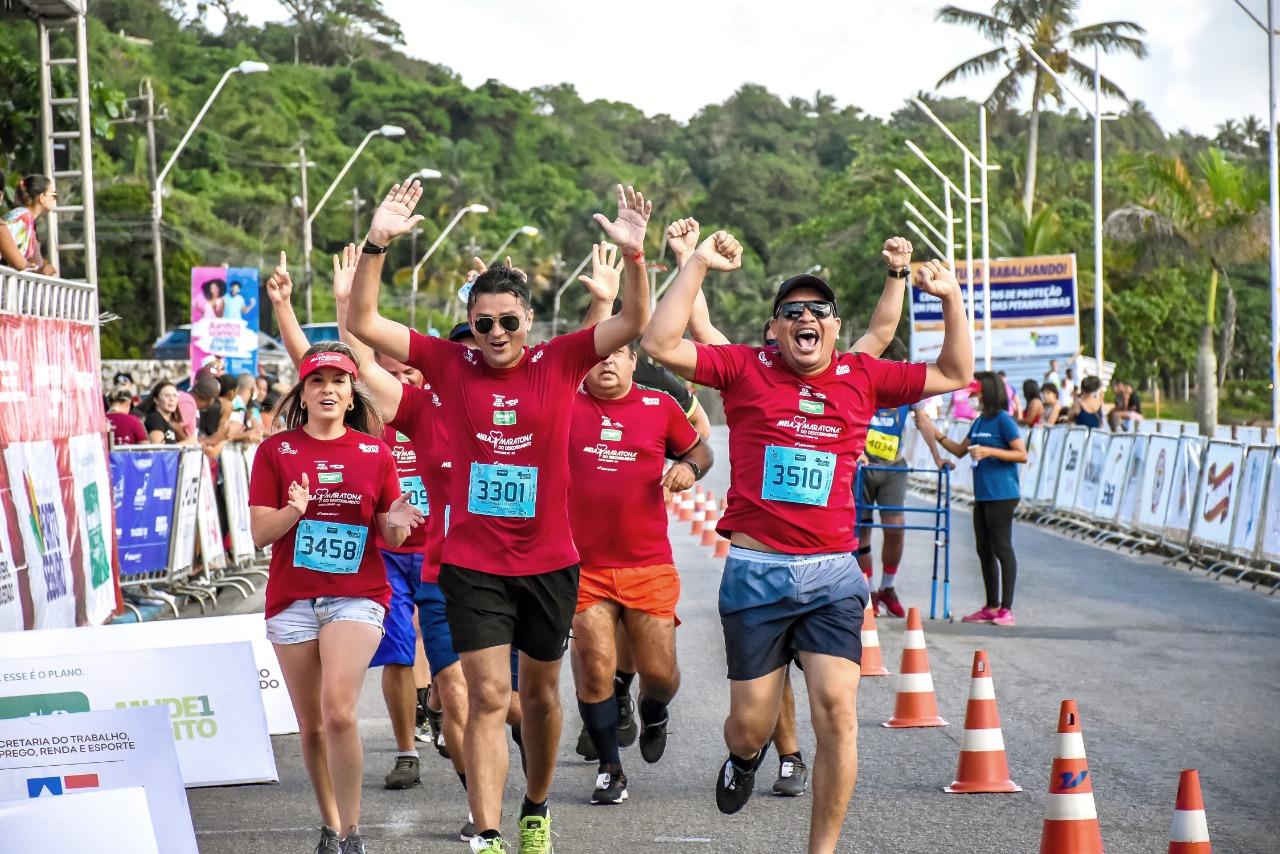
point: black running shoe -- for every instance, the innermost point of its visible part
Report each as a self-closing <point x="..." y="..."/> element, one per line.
<point x="653" y="740"/>
<point x="585" y="748"/>
<point x="793" y="777"/>
<point x="405" y="774"/>
<point x="627" y="727"/>
<point x="435" y="723"/>
<point x="468" y="829"/>
<point x="611" y="786"/>
<point x="329" y="843"/>
<point x="734" y="786"/>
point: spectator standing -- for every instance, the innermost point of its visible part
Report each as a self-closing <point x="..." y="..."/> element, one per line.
<point x="1088" y="409"/>
<point x="1051" y="376"/>
<point x="1052" y="404"/>
<point x="123" y="428"/>
<point x="1068" y="388"/>
<point x="1033" y="412"/>
<point x="34" y="197"/>
<point x="163" y="420"/>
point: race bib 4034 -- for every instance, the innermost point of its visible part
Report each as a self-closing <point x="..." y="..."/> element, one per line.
<point x="797" y="475"/>
<point x="883" y="446"/>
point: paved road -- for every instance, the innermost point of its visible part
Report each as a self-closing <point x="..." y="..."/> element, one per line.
<point x="1170" y="671"/>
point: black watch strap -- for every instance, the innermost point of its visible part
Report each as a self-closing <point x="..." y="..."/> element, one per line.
<point x="697" y="472"/>
<point x="899" y="272"/>
<point x="372" y="248"/>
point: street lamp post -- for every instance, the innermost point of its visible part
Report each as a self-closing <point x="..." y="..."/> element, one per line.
<point x="389" y="131"/>
<point x="417" y="268"/>
<point x="555" y="306"/>
<point x="249" y="66"/>
<point x="526" y="230"/>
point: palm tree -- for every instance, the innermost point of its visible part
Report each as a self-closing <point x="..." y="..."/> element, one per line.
<point x="1049" y="28"/>
<point x="1216" y="214"/>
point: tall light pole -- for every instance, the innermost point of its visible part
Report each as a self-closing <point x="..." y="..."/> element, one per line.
<point x="417" y="268"/>
<point x="555" y="308"/>
<point x="526" y="230"/>
<point x="249" y="66"/>
<point x="389" y="131"/>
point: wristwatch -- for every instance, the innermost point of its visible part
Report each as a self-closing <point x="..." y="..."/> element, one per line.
<point x="372" y="248"/>
<point x="697" y="472"/>
<point x="899" y="272"/>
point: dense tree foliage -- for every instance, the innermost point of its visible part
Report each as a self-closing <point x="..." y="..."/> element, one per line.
<point x="800" y="181"/>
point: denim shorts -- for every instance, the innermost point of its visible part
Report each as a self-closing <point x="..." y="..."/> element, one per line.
<point x="301" y="621"/>
<point x="774" y="606"/>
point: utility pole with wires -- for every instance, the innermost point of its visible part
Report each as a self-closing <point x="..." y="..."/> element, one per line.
<point x="148" y="116"/>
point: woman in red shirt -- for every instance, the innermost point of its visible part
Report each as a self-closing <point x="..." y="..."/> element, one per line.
<point x="322" y="491"/>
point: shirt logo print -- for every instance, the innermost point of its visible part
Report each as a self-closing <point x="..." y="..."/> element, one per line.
<point x="286" y="448"/>
<point x="651" y="401"/>
<point x="368" y="449"/>
<point x="536" y="357"/>
<point x="841" y="370"/>
<point x="500" y="402"/>
<point x="469" y="355"/>
<point x="764" y="360"/>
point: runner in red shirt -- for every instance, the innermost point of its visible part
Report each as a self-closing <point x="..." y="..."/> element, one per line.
<point x="798" y="414"/>
<point x="509" y="569"/>
<point x="319" y="489"/>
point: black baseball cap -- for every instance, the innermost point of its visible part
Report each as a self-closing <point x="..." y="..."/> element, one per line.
<point x="804" y="280"/>
<point x="462" y="330"/>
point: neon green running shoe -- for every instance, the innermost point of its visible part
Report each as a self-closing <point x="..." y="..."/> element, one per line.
<point x="479" y="845"/>
<point x="535" y="834"/>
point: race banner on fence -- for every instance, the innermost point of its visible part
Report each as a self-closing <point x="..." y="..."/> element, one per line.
<point x="1035" y="454"/>
<point x="69" y="755"/>
<point x="91" y="485"/>
<point x="1219" y="480"/>
<point x="1115" y="470"/>
<point x="183" y="554"/>
<point x="1095" y="457"/>
<point x="1269" y="547"/>
<point x="11" y="619"/>
<point x="145" y="483"/>
<point x="105" y="821"/>
<point x="1157" y="483"/>
<point x="235" y="483"/>
<point x="212" y="555"/>
<point x="1055" y="441"/>
<point x="1132" y="493"/>
<point x="1072" y="467"/>
<point x="1034" y="312"/>
<point x="1182" y="492"/>
<point x="37" y="504"/>
<point x="224" y="318"/>
<point x="210" y="691"/>
<point x="1253" y="486"/>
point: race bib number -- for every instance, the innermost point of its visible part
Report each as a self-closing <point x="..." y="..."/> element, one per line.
<point x="329" y="546"/>
<point x="510" y="491"/>
<point x="883" y="446"/>
<point x="797" y="475"/>
<point x="416" y="491"/>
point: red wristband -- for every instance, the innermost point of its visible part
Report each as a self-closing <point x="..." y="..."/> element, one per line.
<point x="638" y="257"/>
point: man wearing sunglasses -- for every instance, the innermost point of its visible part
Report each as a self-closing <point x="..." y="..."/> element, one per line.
<point x="509" y="570"/>
<point x="798" y="413"/>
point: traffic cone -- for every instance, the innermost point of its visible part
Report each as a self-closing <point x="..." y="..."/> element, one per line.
<point x="709" y="536"/>
<point x="699" y="518"/>
<point x="686" y="508"/>
<point x="915" y="704"/>
<point x="1070" y="817"/>
<point x="983" y="765"/>
<point x="712" y="510"/>
<point x="872" y="661"/>
<point x="1189" y="832"/>
<point x="722" y="548"/>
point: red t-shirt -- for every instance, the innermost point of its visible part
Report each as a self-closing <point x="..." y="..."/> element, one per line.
<point x="616" y="453"/>
<point x="509" y="443"/>
<point x="804" y="434"/>
<point x="351" y="479"/>
<point x="126" y="429"/>
<point x="425" y="446"/>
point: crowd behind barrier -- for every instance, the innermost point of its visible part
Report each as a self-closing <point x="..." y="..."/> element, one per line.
<point x="1208" y="503"/>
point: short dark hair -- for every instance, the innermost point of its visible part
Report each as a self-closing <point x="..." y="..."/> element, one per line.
<point x="1090" y="384"/>
<point x="226" y="384"/>
<point x="896" y="351"/>
<point x="501" y="279"/>
<point x="206" y="386"/>
<point x="1050" y="388"/>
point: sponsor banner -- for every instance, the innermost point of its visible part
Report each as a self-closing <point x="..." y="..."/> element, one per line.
<point x="210" y="691"/>
<point x="224" y="318"/>
<point x="235" y="485"/>
<point x="1071" y="468"/>
<point x="1035" y="455"/>
<point x="1157" y="483"/>
<point x="1219" y="481"/>
<point x="107" y="821"/>
<point x="1034" y="311"/>
<point x="49" y="385"/>
<point x="1055" y="442"/>
<point x="1182" y="496"/>
<point x="1131" y="496"/>
<point x="144" y="485"/>
<point x="156" y="634"/>
<point x="1269" y="547"/>
<point x="1249" y="502"/>
<point x="962" y="477"/>
<point x="184" y="520"/>
<point x="41" y="517"/>
<point x="1095" y="458"/>
<point x="48" y="756"/>
<point x="10" y="603"/>
<point x="91" y="488"/>
<point x="212" y="555"/>
<point x="1115" y="473"/>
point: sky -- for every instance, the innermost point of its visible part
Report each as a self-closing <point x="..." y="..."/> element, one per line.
<point x="1207" y="61"/>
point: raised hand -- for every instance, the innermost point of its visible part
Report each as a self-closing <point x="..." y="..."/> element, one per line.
<point x="344" y="272"/>
<point x="606" y="275"/>
<point x="934" y="278"/>
<point x="280" y="286"/>
<point x="395" y="215"/>
<point x="721" y="251"/>
<point x="897" y="252"/>
<point x="402" y="514"/>
<point x="682" y="237"/>
<point x="300" y="494"/>
<point x="633" y="218"/>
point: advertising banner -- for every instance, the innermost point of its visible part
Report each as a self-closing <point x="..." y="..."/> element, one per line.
<point x="68" y="755"/>
<point x="1034" y="312"/>
<point x="1055" y="442"/>
<point x="1219" y="480"/>
<point x="49" y="386"/>
<point x="1132" y="493"/>
<point x="211" y="693"/>
<point x="212" y="555"/>
<point x="1115" y="471"/>
<point x="183" y="554"/>
<point x="1071" y="468"/>
<point x="154" y="634"/>
<point x="91" y="487"/>
<point x="962" y="477"/>
<point x="37" y="504"/>
<point x="1182" y="495"/>
<point x="10" y="605"/>
<point x="1095" y="458"/>
<point x="1270" y="545"/>
<point x="1249" y="495"/>
<point x="235" y="485"/>
<point x="107" y="821"/>
<point x="224" y="318"/>
<point x="144" y="485"/>
<point x="1157" y="483"/>
<point x="1035" y="453"/>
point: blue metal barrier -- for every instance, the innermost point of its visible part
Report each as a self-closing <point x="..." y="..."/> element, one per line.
<point x="941" y="527"/>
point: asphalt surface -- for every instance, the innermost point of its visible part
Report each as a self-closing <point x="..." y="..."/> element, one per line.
<point x="1170" y="670"/>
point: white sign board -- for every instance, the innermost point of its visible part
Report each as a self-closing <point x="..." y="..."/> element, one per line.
<point x="91" y="485"/>
<point x="1115" y="471"/>
<point x="1131" y="495"/>
<point x="1035" y="453"/>
<point x="1071" y="467"/>
<point x="1157" y="483"/>
<point x="37" y="504"/>
<point x="235" y="485"/>
<point x="211" y="693"/>
<point x="183" y="550"/>
<point x="1095" y="458"/>
<point x="67" y="755"/>
<point x="1055" y="440"/>
<point x="1182" y="495"/>
<point x="1219" y="485"/>
<point x="1248" y="514"/>
<point x="1270" y="545"/>
<point x="154" y="634"/>
<point x="211" y="554"/>
<point x="110" y="821"/>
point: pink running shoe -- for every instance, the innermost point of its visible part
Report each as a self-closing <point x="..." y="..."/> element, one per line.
<point x="986" y="615"/>
<point x="1003" y="617"/>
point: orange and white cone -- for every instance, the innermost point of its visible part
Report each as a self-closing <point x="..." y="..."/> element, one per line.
<point x="712" y="510"/>
<point x="1070" y="817"/>
<point x="709" y="535"/>
<point x="686" y="508"/>
<point x="1189" y="832"/>
<point x="699" y="519"/>
<point x="872" y="661"/>
<point x="722" y="548"/>
<point x="915" y="704"/>
<point x="983" y="764"/>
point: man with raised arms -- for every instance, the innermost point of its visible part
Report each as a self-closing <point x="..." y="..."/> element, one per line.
<point x="798" y="413"/>
<point x="509" y="570"/>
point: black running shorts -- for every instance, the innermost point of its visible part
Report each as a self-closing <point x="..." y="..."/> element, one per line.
<point x="533" y="613"/>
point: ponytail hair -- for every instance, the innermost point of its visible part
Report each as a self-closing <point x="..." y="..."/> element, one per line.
<point x="29" y="189"/>
<point x="362" y="416"/>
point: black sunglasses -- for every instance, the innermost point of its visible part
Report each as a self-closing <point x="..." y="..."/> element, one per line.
<point x="484" y="323"/>
<point x="821" y="309"/>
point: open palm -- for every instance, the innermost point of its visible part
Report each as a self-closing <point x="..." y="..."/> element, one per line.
<point x="633" y="218"/>
<point x="395" y="215"/>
